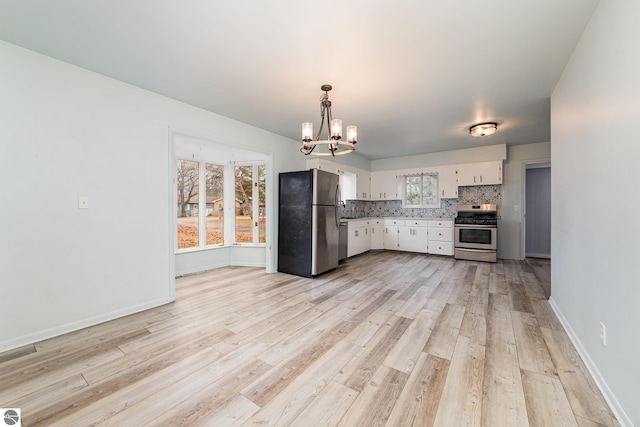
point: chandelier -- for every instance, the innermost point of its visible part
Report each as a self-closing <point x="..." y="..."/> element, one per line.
<point x="334" y="145"/>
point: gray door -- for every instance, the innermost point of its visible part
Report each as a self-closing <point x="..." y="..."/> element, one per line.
<point x="538" y="213"/>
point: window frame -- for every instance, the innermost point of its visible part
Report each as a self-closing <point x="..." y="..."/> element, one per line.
<point x="255" y="202"/>
<point x="422" y="175"/>
<point x="228" y="235"/>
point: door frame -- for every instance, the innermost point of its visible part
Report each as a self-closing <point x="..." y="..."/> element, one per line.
<point x="528" y="164"/>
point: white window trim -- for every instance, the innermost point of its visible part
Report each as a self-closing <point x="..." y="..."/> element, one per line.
<point x="255" y="203"/>
<point x="402" y="183"/>
<point x="202" y="202"/>
<point x="229" y="215"/>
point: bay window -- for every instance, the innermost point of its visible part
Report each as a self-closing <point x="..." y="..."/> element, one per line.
<point x="210" y="214"/>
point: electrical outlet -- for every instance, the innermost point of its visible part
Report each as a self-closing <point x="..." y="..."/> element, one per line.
<point x="83" y="202"/>
<point x="603" y="333"/>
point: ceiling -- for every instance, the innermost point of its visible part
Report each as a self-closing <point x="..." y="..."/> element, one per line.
<point x="413" y="75"/>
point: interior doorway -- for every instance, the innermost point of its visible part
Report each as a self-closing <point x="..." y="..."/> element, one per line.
<point x="537" y="222"/>
<point x="538" y="211"/>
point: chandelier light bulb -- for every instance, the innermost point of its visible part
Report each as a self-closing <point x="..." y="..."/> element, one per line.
<point x="336" y="129"/>
<point x="307" y="131"/>
<point x="352" y="134"/>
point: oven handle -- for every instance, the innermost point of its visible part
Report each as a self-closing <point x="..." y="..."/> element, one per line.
<point x="474" y="226"/>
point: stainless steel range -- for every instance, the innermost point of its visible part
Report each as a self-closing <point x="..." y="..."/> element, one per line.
<point x="476" y="232"/>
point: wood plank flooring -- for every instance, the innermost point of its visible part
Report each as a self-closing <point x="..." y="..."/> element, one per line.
<point x="388" y="338"/>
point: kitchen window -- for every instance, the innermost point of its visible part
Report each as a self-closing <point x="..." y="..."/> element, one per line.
<point x="420" y="190"/>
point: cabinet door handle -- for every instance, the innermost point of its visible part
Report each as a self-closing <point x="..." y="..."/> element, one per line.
<point x="356" y="233"/>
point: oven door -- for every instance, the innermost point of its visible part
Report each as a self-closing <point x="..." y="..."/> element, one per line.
<point x="476" y="237"/>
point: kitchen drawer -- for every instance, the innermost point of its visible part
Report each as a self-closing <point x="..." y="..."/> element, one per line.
<point x="389" y="222"/>
<point x="440" y="248"/>
<point x="416" y="223"/>
<point x="358" y="223"/>
<point x="440" y="223"/>
<point x="441" y="234"/>
<point x="377" y="221"/>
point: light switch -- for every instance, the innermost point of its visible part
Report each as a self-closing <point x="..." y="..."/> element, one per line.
<point x="516" y="208"/>
<point x="83" y="202"/>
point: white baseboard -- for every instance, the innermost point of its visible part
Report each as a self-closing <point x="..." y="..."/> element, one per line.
<point x="74" y="326"/>
<point x="611" y="399"/>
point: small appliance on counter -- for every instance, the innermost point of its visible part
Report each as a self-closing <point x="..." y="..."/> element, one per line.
<point x="476" y="232"/>
<point x="308" y="221"/>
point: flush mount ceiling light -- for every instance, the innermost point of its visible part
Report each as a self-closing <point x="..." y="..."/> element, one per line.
<point x="334" y="145"/>
<point x="483" y="129"/>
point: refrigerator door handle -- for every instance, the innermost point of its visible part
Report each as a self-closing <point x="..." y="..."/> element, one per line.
<point x="337" y="204"/>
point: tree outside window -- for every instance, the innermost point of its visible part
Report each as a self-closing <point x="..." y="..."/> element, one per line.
<point x="188" y="176"/>
<point x="201" y="217"/>
<point x="214" y="175"/>
<point x="421" y="191"/>
<point x="250" y="188"/>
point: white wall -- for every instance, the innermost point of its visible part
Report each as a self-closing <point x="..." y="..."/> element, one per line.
<point x="595" y="112"/>
<point x="510" y="227"/>
<point x="67" y="132"/>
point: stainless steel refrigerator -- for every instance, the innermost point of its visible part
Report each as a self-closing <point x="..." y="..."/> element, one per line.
<point x="308" y="222"/>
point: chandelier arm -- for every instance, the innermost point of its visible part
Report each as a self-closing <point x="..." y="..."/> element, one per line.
<point x="322" y="115"/>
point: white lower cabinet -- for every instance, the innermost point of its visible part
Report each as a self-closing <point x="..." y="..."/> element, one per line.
<point x="391" y="227"/>
<point x="377" y="233"/>
<point x="413" y="237"/>
<point x="441" y="237"/>
<point x="359" y="237"/>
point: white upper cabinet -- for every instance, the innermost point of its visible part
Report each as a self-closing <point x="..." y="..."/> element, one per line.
<point x="485" y="173"/>
<point x="384" y="186"/>
<point x="447" y="182"/>
<point x="363" y="183"/>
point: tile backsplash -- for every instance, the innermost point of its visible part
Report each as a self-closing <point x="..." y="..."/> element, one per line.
<point x="448" y="207"/>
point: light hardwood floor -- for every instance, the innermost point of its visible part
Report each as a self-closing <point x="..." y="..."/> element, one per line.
<point x="387" y="338"/>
